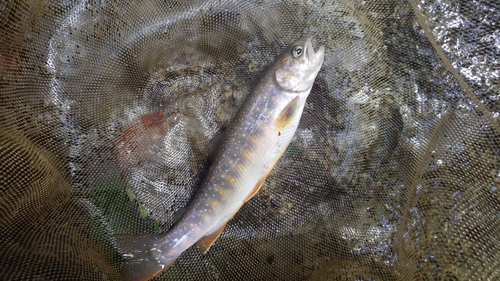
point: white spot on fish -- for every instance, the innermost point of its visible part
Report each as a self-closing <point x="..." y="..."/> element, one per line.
<point x="232" y="166"/>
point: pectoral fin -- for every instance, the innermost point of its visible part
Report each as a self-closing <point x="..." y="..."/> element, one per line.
<point x="208" y="240"/>
<point x="287" y="115"/>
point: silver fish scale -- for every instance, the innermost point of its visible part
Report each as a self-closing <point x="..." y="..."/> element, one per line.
<point x="242" y="149"/>
<point x="249" y="150"/>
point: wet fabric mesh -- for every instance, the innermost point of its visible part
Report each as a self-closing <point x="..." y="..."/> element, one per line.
<point x="107" y="109"/>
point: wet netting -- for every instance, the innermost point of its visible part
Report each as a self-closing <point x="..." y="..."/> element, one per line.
<point x="107" y="107"/>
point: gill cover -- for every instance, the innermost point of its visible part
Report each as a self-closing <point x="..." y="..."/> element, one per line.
<point x="289" y="74"/>
<point x="296" y="69"/>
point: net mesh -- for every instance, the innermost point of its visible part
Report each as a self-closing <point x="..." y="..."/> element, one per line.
<point x="107" y="108"/>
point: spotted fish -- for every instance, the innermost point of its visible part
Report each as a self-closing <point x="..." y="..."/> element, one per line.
<point x="249" y="149"/>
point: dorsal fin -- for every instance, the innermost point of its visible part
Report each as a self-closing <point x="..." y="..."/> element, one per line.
<point x="210" y="151"/>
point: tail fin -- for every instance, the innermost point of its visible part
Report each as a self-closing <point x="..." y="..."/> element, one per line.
<point x="142" y="259"/>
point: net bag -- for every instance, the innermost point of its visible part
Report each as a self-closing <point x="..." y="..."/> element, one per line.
<point x="107" y="108"/>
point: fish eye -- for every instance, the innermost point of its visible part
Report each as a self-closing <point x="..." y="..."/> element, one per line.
<point x="296" y="51"/>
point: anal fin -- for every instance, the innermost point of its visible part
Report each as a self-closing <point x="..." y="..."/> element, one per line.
<point x="142" y="271"/>
<point x="208" y="240"/>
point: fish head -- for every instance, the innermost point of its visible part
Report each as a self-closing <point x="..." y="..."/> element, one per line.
<point x="297" y="66"/>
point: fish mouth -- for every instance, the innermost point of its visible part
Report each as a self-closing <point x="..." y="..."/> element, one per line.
<point x="315" y="57"/>
<point x="320" y="55"/>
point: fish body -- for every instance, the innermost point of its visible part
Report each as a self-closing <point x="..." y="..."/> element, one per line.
<point x="249" y="149"/>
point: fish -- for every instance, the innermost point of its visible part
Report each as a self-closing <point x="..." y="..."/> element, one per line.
<point x="248" y="151"/>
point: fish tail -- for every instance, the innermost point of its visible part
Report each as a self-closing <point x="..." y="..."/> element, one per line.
<point x="141" y="260"/>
